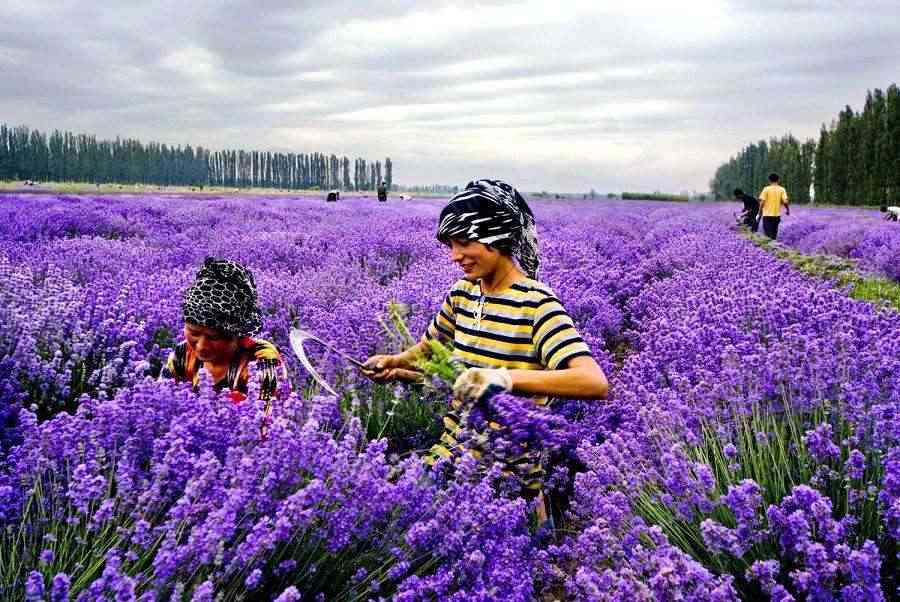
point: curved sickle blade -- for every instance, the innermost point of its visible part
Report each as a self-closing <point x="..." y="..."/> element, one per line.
<point x="305" y="335"/>
<point x="297" y="338"/>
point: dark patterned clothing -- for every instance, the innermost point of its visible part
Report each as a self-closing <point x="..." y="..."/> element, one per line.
<point x="184" y="365"/>
<point x="223" y="297"/>
<point x="493" y="213"/>
<point x="751" y="210"/>
<point x="770" y="226"/>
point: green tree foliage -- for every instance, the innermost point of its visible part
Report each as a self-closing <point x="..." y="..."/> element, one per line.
<point x="823" y="160"/>
<point x="66" y="157"/>
<point x="345" y="169"/>
<point x="361" y="175"/>
<point x="653" y="196"/>
<point x="807" y="164"/>
<point x="890" y="145"/>
<point x="750" y="169"/>
<point x="856" y="160"/>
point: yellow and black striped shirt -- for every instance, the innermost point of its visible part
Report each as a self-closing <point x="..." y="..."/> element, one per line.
<point x="522" y="327"/>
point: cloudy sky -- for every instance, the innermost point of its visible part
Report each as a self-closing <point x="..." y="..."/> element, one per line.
<point x="556" y="96"/>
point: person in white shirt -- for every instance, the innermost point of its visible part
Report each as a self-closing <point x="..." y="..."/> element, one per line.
<point x="891" y="214"/>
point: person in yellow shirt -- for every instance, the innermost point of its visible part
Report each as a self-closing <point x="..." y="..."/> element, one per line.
<point x="771" y="200"/>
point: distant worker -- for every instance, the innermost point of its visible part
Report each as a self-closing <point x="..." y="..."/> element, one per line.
<point x="771" y="199"/>
<point x="382" y="192"/>
<point x="751" y="209"/>
<point x="891" y="214"/>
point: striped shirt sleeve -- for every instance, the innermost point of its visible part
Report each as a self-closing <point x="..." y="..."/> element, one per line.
<point x="443" y="326"/>
<point x="554" y="336"/>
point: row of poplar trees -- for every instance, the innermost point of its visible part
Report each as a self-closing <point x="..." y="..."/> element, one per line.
<point x="856" y="160"/>
<point x="27" y="154"/>
<point x="245" y="169"/>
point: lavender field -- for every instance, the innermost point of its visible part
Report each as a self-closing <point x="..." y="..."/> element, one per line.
<point x="858" y="234"/>
<point x="749" y="449"/>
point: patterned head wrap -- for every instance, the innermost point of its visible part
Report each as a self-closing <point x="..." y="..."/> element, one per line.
<point x="223" y="297"/>
<point x="493" y="213"/>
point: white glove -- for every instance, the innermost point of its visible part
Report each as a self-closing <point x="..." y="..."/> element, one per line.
<point x="473" y="383"/>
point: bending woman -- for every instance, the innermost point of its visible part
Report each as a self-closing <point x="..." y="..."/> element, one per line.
<point x="505" y="326"/>
<point x="221" y="314"/>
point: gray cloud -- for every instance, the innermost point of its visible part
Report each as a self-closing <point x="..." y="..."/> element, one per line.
<point x="646" y="96"/>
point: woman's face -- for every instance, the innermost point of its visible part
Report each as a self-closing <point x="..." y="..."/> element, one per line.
<point x="209" y="344"/>
<point x="476" y="259"/>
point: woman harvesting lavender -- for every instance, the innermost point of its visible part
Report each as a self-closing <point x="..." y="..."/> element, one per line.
<point x="508" y="329"/>
<point x="220" y="314"/>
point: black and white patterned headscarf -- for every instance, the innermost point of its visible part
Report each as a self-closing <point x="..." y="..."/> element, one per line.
<point x="493" y="213"/>
<point x="223" y="297"/>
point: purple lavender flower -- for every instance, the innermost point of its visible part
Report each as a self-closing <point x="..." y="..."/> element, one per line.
<point x="730" y="451"/>
<point x="203" y="593"/>
<point x="253" y="579"/>
<point x="34" y="587"/>
<point x="289" y="595"/>
<point x="820" y="445"/>
<point x="59" y="591"/>
<point x="856" y="464"/>
<point x="766" y="573"/>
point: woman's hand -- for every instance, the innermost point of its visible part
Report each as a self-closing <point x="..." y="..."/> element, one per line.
<point x="388" y="368"/>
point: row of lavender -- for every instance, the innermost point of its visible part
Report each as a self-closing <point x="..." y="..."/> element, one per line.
<point x="763" y="433"/>
<point x="149" y="489"/>
<point x="857" y="234"/>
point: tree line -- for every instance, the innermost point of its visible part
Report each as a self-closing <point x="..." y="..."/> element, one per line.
<point x="27" y="154"/>
<point x="654" y="196"/>
<point x="749" y="170"/>
<point x="856" y="160"/>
